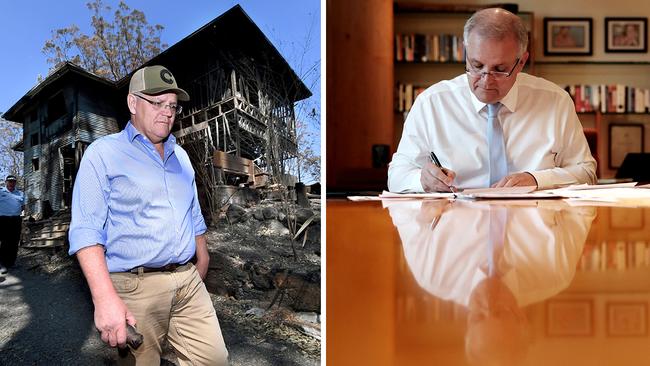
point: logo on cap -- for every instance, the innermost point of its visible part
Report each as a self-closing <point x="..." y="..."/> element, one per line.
<point x="166" y="76"/>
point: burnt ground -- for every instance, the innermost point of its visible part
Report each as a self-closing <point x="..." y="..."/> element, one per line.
<point x="46" y="314"/>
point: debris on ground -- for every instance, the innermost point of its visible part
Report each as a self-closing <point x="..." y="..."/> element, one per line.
<point x="264" y="280"/>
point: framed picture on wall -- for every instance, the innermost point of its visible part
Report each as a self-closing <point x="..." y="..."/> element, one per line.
<point x="626" y="34"/>
<point x="624" y="138"/>
<point x="567" y="36"/>
<point x="626" y="219"/>
<point x="627" y="319"/>
<point x="569" y="318"/>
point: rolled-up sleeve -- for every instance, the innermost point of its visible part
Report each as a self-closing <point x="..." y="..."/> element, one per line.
<point x="197" y="216"/>
<point x="89" y="202"/>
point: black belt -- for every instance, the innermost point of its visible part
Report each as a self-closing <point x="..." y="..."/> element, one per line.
<point x="167" y="268"/>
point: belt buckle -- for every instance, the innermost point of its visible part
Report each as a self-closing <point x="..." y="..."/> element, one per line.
<point x="171" y="267"/>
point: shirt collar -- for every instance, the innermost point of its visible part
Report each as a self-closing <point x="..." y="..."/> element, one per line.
<point x="509" y="101"/>
<point x="169" y="144"/>
<point x="131" y="131"/>
<point x="171" y="141"/>
<point x="5" y="189"/>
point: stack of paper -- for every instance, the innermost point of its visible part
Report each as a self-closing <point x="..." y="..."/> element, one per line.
<point x="605" y="193"/>
<point x="478" y="193"/>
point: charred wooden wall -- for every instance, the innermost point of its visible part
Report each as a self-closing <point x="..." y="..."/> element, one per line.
<point x="69" y="114"/>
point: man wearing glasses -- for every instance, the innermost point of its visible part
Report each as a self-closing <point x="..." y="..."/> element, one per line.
<point x="138" y="232"/>
<point x="493" y="126"/>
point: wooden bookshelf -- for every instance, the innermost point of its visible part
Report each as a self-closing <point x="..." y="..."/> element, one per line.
<point x="598" y="72"/>
<point x="618" y="241"/>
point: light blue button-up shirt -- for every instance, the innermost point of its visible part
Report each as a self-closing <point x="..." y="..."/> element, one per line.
<point x="143" y="209"/>
<point x="11" y="203"/>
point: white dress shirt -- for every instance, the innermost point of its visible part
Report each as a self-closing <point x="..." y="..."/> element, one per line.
<point x="542" y="133"/>
<point x="448" y="256"/>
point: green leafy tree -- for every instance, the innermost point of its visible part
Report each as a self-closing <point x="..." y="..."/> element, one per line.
<point x="116" y="46"/>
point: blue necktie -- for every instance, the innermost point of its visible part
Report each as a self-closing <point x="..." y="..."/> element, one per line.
<point x="496" y="239"/>
<point x="498" y="165"/>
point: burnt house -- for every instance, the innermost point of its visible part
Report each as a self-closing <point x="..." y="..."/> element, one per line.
<point x="61" y="116"/>
<point x="239" y="126"/>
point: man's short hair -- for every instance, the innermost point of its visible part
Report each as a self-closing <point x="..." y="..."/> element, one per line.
<point x="497" y="27"/>
<point x="11" y="177"/>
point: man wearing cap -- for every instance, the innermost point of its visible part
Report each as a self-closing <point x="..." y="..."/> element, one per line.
<point x="138" y="232"/>
<point x="12" y="201"/>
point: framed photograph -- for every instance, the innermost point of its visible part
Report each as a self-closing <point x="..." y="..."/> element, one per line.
<point x="569" y="318"/>
<point x="626" y="219"/>
<point x="567" y="36"/>
<point x="624" y="138"/>
<point x="627" y="319"/>
<point x="626" y="34"/>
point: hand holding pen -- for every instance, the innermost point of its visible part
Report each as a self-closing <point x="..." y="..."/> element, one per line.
<point x="437" y="178"/>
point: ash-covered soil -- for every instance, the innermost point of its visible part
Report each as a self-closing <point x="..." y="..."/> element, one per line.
<point x="265" y="288"/>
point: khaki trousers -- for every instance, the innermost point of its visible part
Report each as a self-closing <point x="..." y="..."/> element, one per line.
<point x="176" y="306"/>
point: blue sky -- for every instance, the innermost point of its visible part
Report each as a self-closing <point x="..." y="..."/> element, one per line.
<point x="26" y="25"/>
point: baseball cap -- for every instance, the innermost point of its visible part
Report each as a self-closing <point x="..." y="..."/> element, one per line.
<point x="156" y="80"/>
<point x="11" y="177"/>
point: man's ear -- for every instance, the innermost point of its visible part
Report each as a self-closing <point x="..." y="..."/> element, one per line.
<point x="130" y="101"/>
<point x="523" y="59"/>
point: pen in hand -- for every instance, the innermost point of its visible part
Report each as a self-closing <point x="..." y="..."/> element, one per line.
<point x="435" y="160"/>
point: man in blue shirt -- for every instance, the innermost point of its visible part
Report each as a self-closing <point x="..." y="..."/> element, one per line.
<point x="137" y="225"/>
<point x="12" y="201"/>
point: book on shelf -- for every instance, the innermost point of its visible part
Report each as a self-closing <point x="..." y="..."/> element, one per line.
<point x="620" y="256"/>
<point x="617" y="255"/>
<point x="613" y="98"/>
<point x="416" y="47"/>
<point x="405" y="96"/>
<point x="437" y="48"/>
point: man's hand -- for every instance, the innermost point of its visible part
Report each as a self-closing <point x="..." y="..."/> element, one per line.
<point x="431" y="209"/>
<point x="517" y="180"/>
<point x="202" y="267"/>
<point x="202" y="256"/>
<point x="434" y="179"/>
<point x="111" y="316"/>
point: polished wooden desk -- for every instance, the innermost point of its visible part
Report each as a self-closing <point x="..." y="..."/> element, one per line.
<point x="407" y="284"/>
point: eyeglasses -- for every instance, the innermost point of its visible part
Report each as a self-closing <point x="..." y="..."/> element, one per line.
<point x="499" y="75"/>
<point x="175" y="108"/>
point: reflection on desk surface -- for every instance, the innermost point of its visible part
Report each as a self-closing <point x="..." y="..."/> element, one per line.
<point x="463" y="283"/>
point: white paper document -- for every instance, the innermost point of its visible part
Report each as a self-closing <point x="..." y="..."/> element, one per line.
<point x="478" y="193"/>
<point x="386" y="194"/>
<point x="582" y="193"/>
<point x="506" y="193"/>
<point x="364" y="198"/>
<point x="608" y="194"/>
<point x="581" y="187"/>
